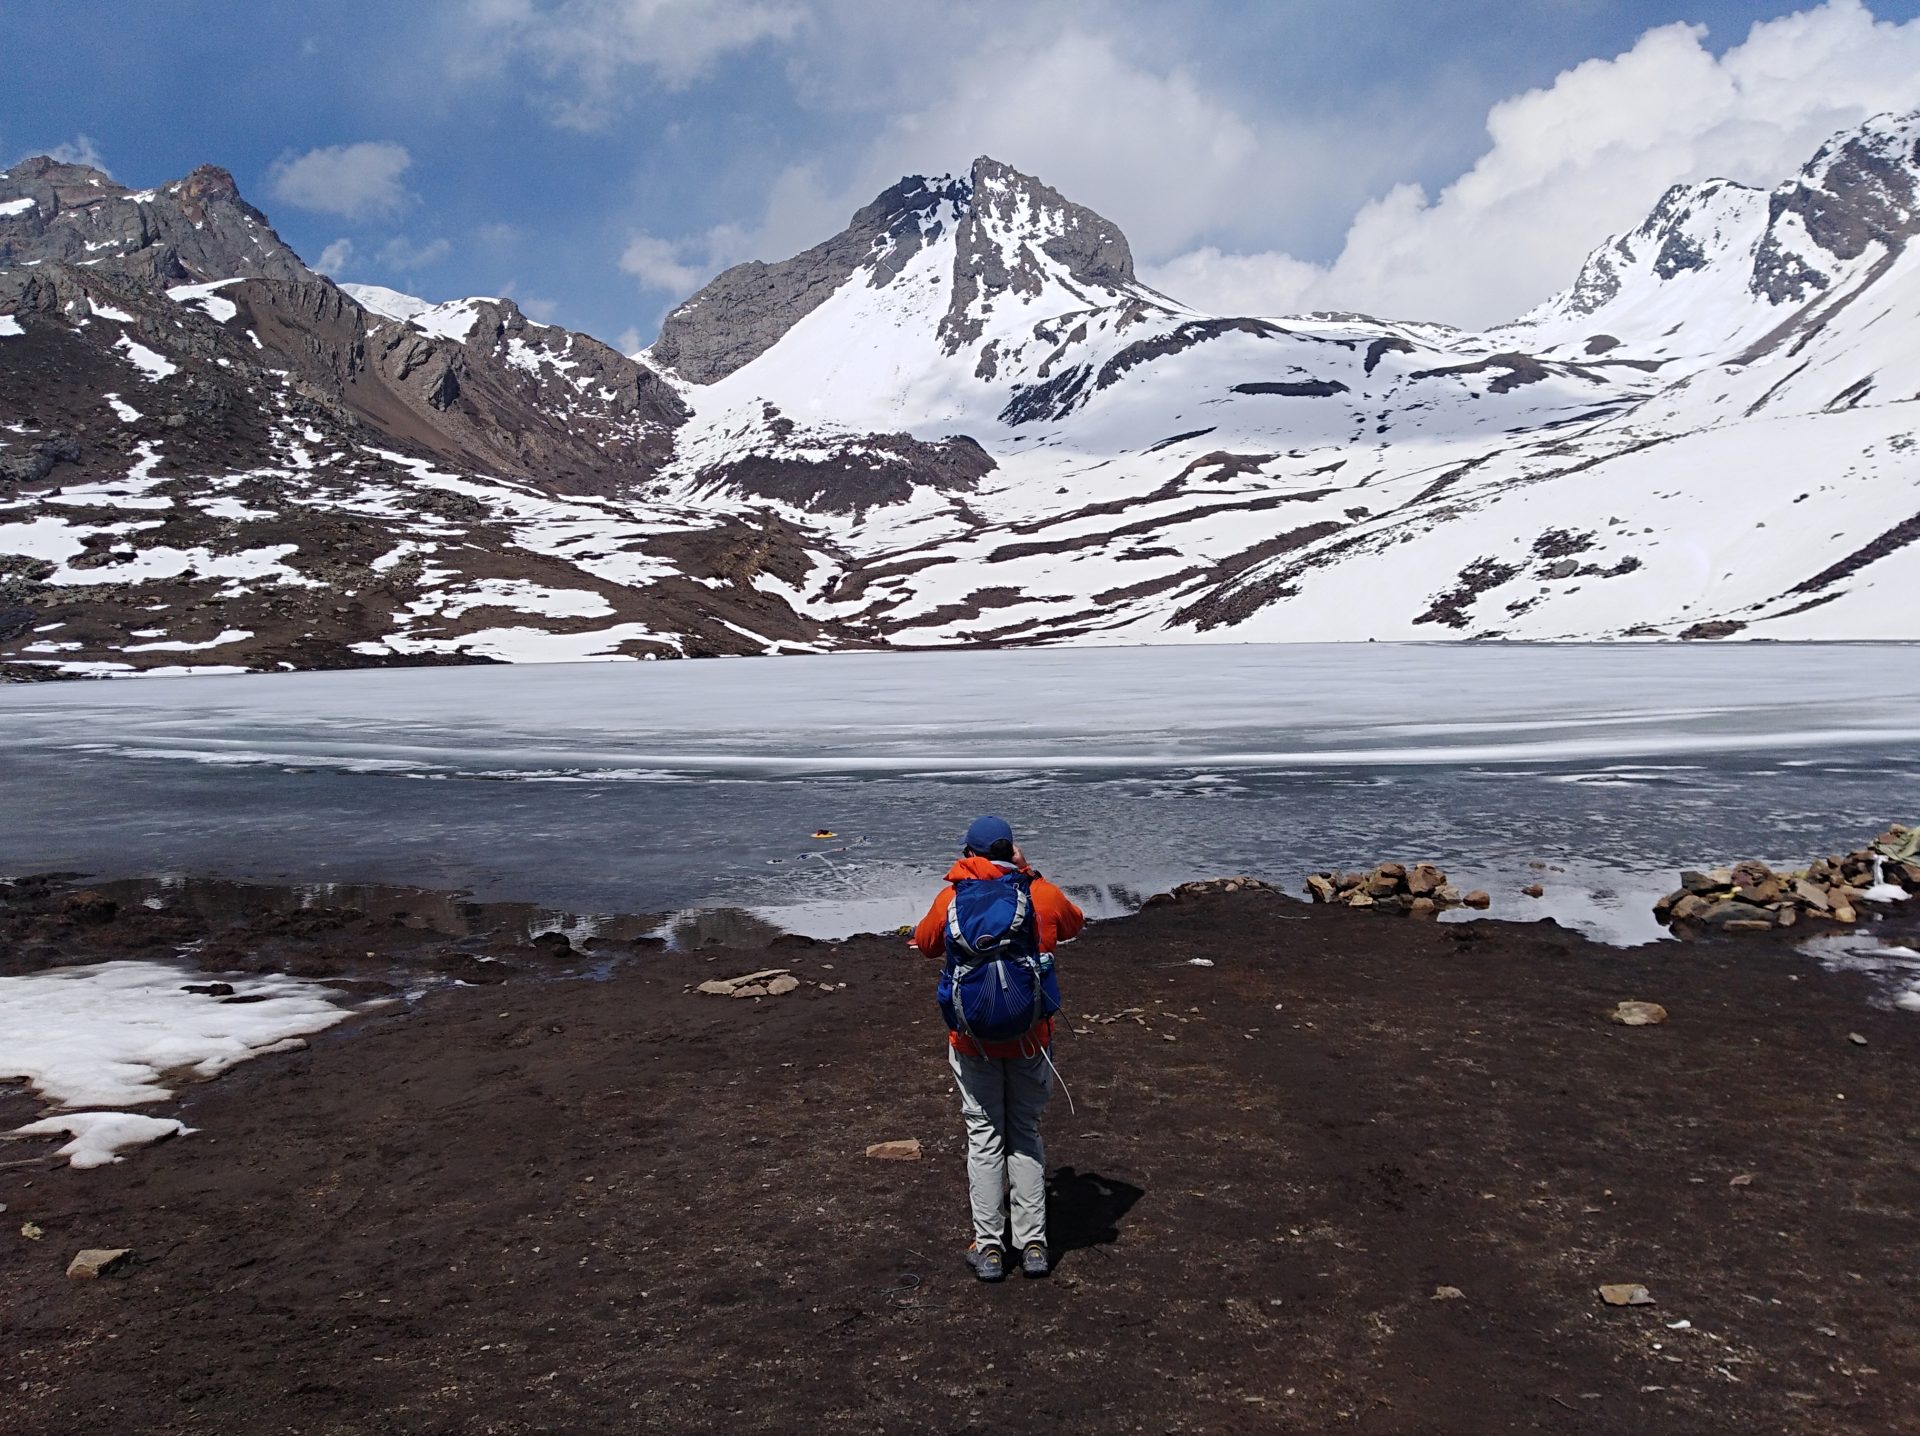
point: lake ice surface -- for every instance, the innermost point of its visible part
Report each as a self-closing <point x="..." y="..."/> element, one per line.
<point x="678" y="786"/>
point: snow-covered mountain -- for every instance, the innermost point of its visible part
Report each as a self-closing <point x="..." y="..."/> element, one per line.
<point x="961" y="420"/>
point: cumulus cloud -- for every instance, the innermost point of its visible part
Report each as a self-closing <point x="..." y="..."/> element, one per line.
<point x="403" y="254"/>
<point x="584" y="51"/>
<point x="1583" y="158"/>
<point x="80" y="150"/>
<point x="358" y="181"/>
<point x="335" y="258"/>
<point x="667" y="264"/>
<point x="1211" y="186"/>
<point x="1268" y="283"/>
<point x="1154" y="149"/>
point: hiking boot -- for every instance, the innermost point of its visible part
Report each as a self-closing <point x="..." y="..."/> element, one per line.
<point x="1033" y="1261"/>
<point x="989" y="1263"/>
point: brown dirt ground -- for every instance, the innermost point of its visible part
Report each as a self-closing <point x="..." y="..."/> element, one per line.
<point x="564" y="1205"/>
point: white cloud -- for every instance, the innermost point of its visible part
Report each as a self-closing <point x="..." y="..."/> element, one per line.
<point x="357" y="181"/>
<point x="1586" y="157"/>
<point x="585" y="50"/>
<point x="80" y="150"/>
<point x="1215" y="191"/>
<point x="1235" y="283"/>
<point x="663" y="263"/>
<point x="630" y="342"/>
<point x="1154" y="149"/>
<point x="335" y="258"/>
<point x="402" y="253"/>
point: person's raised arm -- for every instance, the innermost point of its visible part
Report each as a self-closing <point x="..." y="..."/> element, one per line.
<point x="1066" y="916"/>
<point x="931" y="935"/>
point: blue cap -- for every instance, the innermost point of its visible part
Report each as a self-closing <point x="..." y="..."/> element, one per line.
<point x="987" y="831"/>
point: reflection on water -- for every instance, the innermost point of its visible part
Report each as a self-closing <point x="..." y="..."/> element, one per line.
<point x="224" y="902"/>
<point x="1891" y="964"/>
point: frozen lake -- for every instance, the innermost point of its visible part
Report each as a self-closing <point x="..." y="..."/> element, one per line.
<point x="674" y="786"/>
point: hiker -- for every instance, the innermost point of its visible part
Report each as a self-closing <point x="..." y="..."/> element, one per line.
<point x="996" y="925"/>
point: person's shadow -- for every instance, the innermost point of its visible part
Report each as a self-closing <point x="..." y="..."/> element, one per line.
<point x="1084" y="1209"/>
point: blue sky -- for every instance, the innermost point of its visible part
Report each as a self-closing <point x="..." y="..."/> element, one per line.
<point x="596" y="159"/>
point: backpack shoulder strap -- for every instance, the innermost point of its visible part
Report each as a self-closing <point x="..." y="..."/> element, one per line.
<point x="956" y="939"/>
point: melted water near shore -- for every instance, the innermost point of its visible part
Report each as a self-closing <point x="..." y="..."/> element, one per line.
<point x="676" y="787"/>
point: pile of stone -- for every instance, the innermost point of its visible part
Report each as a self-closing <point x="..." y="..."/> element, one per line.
<point x="1240" y="883"/>
<point x="1420" y="890"/>
<point x="771" y="982"/>
<point x="1751" y="897"/>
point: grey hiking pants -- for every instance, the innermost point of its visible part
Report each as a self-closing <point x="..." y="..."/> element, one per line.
<point x="1002" y="1099"/>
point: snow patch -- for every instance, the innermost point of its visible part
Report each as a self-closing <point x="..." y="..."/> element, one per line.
<point x="100" y="1137"/>
<point x="231" y="635"/>
<point x="207" y="298"/>
<point x="109" y="1034"/>
<point x="154" y="365"/>
<point x="387" y="303"/>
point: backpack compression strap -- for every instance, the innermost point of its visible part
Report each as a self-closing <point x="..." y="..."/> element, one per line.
<point x="959" y="939"/>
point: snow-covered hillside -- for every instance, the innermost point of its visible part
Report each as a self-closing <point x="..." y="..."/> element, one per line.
<point x="1710" y="432"/>
<point x="962" y="420"/>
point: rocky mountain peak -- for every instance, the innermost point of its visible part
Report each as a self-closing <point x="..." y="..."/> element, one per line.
<point x="1009" y="232"/>
<point x="196" y="230"/>
<point x="743" y="311"/>
<point x="64" y="183"/>
<point x="1018" y="234"/>
<point x="1019" y="206"/>
<point x="1860" y="189"/>
<point x="1747" y="257"/>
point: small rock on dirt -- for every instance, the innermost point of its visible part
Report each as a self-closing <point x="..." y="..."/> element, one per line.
<point x="907" y="1151"/>
<point x="781" y="986"/>
<point x="1625" y="1294"/>
<point x="1448" y="1293"/>
<point x="32" y="1231"/>
<point x="1638" y="1014"/>
<point x="1856" y="1039"/>
<point x="96" y="1262"/>
<point x="1478" y="898"/>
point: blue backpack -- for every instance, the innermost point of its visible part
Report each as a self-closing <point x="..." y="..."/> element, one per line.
<point x="997" y="985"/>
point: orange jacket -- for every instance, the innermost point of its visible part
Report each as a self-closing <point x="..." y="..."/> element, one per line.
<point x="1057" y="918"/>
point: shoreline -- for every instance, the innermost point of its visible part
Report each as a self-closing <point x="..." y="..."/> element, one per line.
<point x="26" y="672"/>
<point x="581" y="1204"/>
